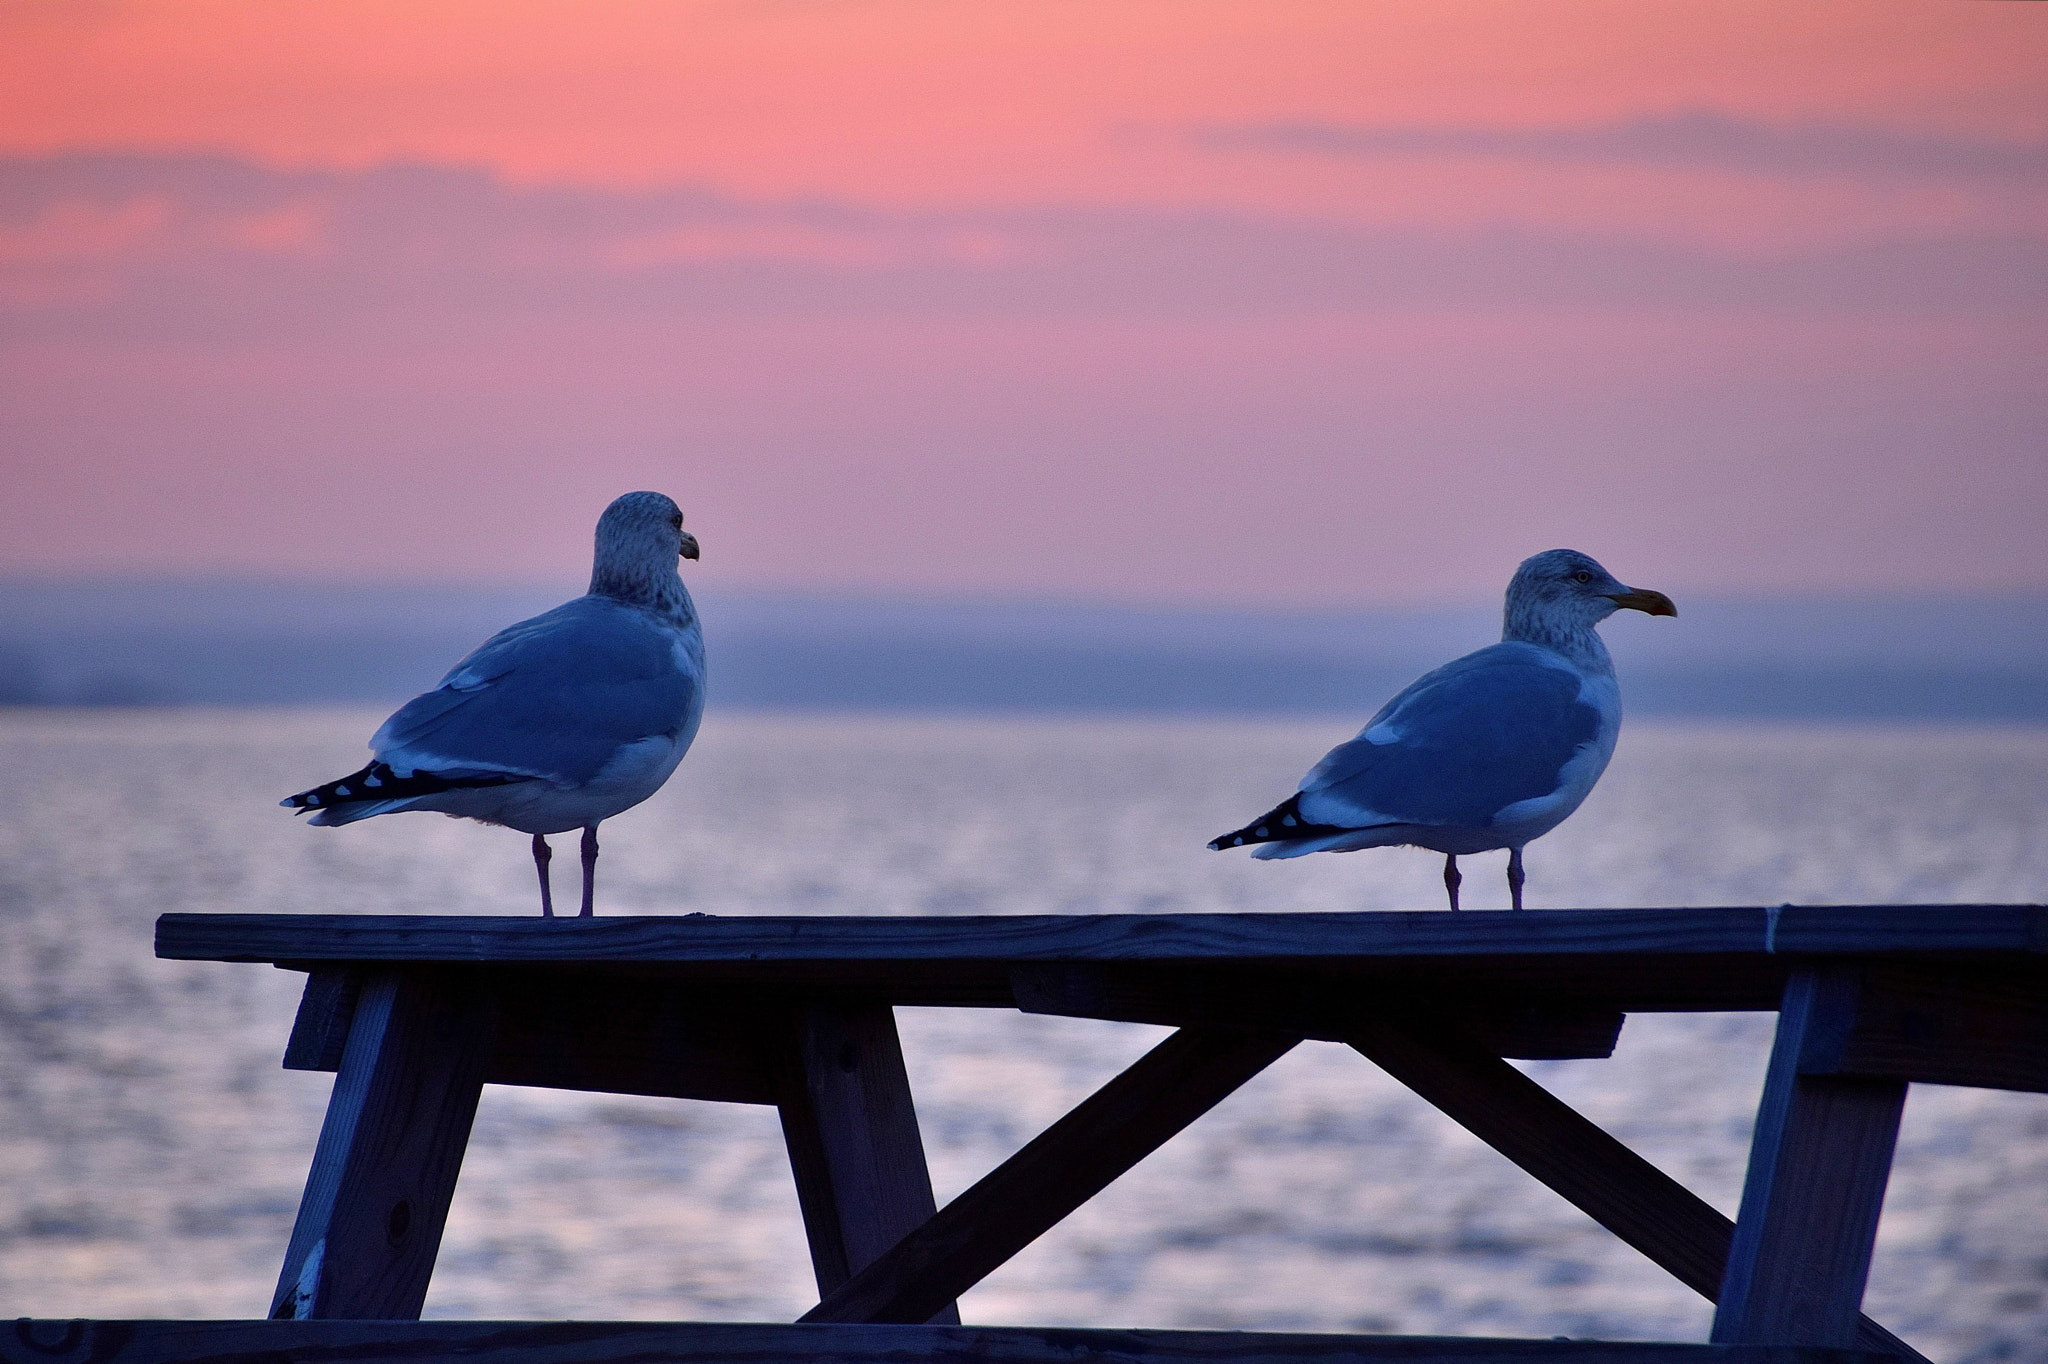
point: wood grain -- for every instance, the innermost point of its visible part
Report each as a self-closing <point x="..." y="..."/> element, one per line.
<point x="369" y="1224"/>
<point x="641" y="1342"/>
<point x="1063" y="1167"/>
<point x="1818" y="1165"/>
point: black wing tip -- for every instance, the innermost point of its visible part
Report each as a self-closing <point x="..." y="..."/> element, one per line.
<point x="1281" y="824"/>
<point x="338" y="792"/>
<point x="379" y="782"/>
<point x="1235" y="840"/>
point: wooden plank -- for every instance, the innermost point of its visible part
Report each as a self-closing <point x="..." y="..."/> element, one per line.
<point x="754" y="942"/>
<point x="1597" y="1174"/>
<point x="1817" y="1171"/>
<point x="612" y="1035"/>
<point x="370" y="1222"/>
<point x="326" y="1009"/>
<point x="1306" y="1004"/>
<point x="637" y="1342"/>
<point x="1986" y="1028"/>
<point x="1063" y="1167"/>
<point x="1589" y="961"/>
<point x="854" y="1147"/>
<point x="567" y="1030"/>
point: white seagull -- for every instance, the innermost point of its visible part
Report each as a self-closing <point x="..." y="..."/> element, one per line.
<point x="557" y="722"/>
<point x="1489" y="751"/>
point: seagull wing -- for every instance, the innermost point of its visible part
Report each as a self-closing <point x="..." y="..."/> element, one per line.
<point x="555" y="697"/>
<point x="1459" y="745"/>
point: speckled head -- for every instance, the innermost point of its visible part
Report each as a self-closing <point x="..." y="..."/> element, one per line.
<point x="1561" y="593"/>
<point x="639" y="538"/>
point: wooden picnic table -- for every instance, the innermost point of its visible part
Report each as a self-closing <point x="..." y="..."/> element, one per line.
<point x="415" y="1014"/>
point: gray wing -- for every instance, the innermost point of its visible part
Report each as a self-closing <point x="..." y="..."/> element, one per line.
<point x="555" y="697"/>
<point x="1458" y="746"/>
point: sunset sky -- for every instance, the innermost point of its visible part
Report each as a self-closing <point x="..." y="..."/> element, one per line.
<point x="1244" y="303"/>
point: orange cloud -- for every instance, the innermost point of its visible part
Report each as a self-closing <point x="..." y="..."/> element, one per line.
<point x="912" y="102"/>
<point x="1184" y="298"/>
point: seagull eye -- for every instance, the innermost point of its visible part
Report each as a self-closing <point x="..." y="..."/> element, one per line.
<point x="1582" y="576"/>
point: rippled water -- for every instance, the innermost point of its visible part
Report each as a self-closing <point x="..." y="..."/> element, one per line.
<point x="153" y="1150"/>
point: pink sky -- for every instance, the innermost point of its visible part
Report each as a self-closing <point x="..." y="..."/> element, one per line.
<point x="1247" y="302"/>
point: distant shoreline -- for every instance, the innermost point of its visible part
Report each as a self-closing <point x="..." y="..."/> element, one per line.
<point x="225" y="643"/>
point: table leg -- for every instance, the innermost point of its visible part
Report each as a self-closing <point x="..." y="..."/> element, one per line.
<point x="854" y="1147"/>
<point x="1817" y="1172"/>
<point x="369" y="1225"/>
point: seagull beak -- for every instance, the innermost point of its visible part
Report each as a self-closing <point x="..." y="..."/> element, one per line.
<point x="689" y="550"/>
<point x="1644" y="600"/>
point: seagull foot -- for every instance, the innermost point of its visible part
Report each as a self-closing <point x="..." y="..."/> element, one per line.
<point x="1452" y="879"/>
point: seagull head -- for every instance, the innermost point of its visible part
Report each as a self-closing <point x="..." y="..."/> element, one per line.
<point x="1564" y="591"/>
<point x="639" y="538"/>
<point x="643" y="527"/>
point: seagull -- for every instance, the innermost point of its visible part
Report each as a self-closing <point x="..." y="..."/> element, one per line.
<point x="1489" y="751"/>
<point x="560" y="721"/>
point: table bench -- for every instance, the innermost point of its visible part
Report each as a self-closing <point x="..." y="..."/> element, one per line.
<point x="415" y="1014"/>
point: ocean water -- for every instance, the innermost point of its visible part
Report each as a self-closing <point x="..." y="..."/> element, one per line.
<point x="151" y="1149"/>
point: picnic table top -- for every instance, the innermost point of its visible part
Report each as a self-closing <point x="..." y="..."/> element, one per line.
<point x="1638" y="959"/>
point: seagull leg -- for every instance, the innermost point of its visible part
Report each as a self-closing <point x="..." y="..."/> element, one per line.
<point x="589" y="909"/>
<point x="542" y="855"/>
<point x="1452" y="879"/>
<point x="1515" y="877"/>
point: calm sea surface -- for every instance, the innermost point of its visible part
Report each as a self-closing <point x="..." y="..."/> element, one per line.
<point x="151" y="1150"/>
